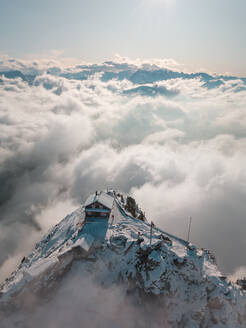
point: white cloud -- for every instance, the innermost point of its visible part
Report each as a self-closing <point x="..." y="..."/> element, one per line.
<point x="179" y="156"/>
<point x="240" y="273"/>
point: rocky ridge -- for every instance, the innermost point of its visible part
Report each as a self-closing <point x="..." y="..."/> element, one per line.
<point x="174" y="283"/>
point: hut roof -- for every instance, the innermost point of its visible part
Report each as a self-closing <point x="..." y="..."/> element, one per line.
<point x="102" y="198"/>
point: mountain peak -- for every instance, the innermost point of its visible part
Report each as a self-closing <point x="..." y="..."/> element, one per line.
<point x="109" y="242"/>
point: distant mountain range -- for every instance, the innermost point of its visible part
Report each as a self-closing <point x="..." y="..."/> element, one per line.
<point x="111" y="70"/>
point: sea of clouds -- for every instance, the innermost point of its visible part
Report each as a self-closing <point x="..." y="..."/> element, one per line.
<point x="176" y="142"/>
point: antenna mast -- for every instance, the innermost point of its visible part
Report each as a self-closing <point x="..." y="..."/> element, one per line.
<point x="151" y="231"/>
<point x="188" y="237"/>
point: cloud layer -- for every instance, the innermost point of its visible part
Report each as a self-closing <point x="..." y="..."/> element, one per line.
<point x="176" y="141"/>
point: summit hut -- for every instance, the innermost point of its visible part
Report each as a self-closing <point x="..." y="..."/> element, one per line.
<point x="99" y="205"/>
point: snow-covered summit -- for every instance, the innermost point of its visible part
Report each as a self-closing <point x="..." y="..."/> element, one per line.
<point x="174" y="283"/>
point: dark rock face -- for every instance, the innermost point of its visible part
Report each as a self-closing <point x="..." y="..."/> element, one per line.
<point x="242" y="283"/>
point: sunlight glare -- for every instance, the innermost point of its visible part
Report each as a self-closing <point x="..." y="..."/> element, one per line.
<point x="159" y="3"/>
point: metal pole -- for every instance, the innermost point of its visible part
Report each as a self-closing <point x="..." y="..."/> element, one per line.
<point x="188" y="237"/>
<point x="151" y="227"/>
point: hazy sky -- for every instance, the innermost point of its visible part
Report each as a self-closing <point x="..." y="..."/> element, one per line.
<point x="178" y="138"/>
<point x="197" y="33"/>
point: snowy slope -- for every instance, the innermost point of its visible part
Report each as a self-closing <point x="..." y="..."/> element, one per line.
<point x="181" y="280"/>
